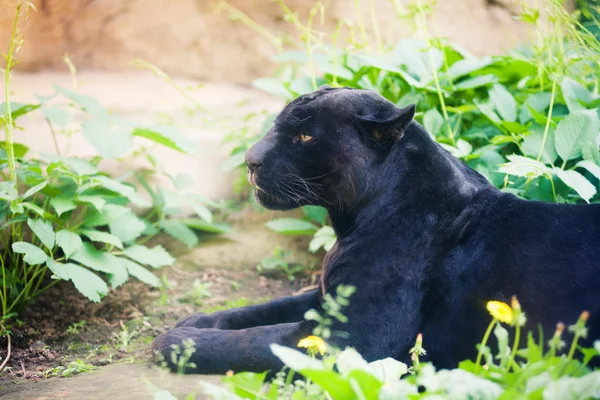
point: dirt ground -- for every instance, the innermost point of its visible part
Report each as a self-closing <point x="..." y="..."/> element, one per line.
<point x="58" y="355"/>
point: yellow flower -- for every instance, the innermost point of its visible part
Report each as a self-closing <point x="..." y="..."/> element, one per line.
<point x="314" y="344"/>
<point x="500" y="311"/>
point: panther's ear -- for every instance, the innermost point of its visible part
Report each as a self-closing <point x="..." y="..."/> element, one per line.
<point x="386" y="123"/>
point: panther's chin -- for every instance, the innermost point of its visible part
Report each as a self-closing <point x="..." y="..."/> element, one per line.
<point x="273" y="202"/>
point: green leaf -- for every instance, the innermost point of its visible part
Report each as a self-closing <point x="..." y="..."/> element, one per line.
<point x="97" y="201"/>
<point x="62" y="204"/>
<point x="574" y="94"/>
<point x="33" y="190"/>
<point x="43" y="230"/>
<point x="337" y="387"/>
<point x="216" y="392"/>
<point x="245" y="384"/>
<point x="68" y="241"/>
<point x="233" y="162"/>
<point x="523" y="166"/>
<point x="103" y="237"/>
<point x="58" y="269"/>
<point x="573" y="130"/>
<point x="201" y="225"/>
<point x="180" y="231"/>
<point x="577" y="182"/>
<point x="467" y="66"/>
<point x="119" y="276"/>
<point x="88" y="103"/>
<point x="16" y="110"/>
<point x="33" y="254"/>
<point x="86" y="282"/>
<point x="503" y="102"/>
<point x="349" y="360"/>
<point x="592" y="167"/>
<point x="365" y="385"/>
<point x="95" y="259"/>
<point x="167" y="136"/>
<point x="433" y="121"/>
<point x="35" y="208"/>
<point x="291" y="226"/>
<point x="387" y="370"/>
<point x="109" y="214"/>
<point x="324" y="237"/>
<point x="156" y="257"/>
<point x="316" y="214"/>
<point x="202" y="211"/>
<point x="139" y="272"/>
<point x="19" y="149"/>
<point x="584" y="387"/>
<point x="296" y="360"/>
<point x="57" y="115"/>
<point x="532" y="143"/>
<point x="478" y="81"/>
<point x="534" y="107"/>
<point x="127" y="227"/>
<point x="123" y="190"/>
<point x="79" y="166"/>
<point x="8" y="191"/>
<point x="110" y="141"/>
<point x="398" y="390"/>
<point x="272" y="86"/>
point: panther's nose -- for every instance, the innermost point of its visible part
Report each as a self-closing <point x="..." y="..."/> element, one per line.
<point x="252" y="165"/>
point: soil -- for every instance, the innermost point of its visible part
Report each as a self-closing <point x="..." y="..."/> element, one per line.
<point x="112" y="346"/>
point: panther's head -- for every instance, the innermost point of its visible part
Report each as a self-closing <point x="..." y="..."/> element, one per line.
<point x="321" y="146"/>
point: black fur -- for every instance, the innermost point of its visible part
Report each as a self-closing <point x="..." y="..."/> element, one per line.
<point x="426" y="241"/>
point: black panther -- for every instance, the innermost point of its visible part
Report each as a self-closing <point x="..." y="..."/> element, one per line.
<point x="425" y="239"/>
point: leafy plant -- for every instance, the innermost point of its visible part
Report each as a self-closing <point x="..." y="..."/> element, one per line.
<point x="313" y="223"/>
<point x="73" y="329"/>
<point x="77" y="367"/>
<point x="200" y="291"/>
<point x="535" y="372"/>
<point x="63" y="216"/>
<point x="279" y="263"/>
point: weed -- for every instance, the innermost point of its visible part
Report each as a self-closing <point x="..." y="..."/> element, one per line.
<point x="279" y="263"/>
<point x="74" y="327"/>
<point x="62" y="216"/>
<point x="199" y="292"/>
<point x="77" y="367"/>
<point x="123" y="338"/>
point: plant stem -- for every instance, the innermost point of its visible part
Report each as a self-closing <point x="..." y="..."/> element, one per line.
<point x="309" y="52"/>
<point x="375" y="25"/>
<point x="436" y="79"/>
<point x="486" y="336"/>
<point x="573" y="347"/>
<point x="8" y="124"/>
<point x="547" y="128"/>
<point x="8" y="351"/>
<point x="361" y="24"/>
<point x="53" y="136"/>
<point x="514" y="348"/>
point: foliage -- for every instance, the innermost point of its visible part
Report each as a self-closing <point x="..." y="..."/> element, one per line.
<point x="64" y="216"/>
<point x="537" y="372"/>
<point x="528" y="120"/>
<point x="279" y="263"/>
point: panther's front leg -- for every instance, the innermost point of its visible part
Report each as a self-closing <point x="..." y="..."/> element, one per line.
<point x="283" y="310"/>
<point x="218" y="351"/>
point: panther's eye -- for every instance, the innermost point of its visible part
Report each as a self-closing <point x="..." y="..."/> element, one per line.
<point x="305" y="138"/>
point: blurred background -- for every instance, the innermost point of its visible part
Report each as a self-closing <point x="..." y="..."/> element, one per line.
<point x="204" y="39"/>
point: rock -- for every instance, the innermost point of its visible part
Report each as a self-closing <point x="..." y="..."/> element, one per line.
<point x="189" y="38"/>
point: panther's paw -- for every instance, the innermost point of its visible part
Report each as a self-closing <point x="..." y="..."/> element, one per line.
<point x="169" y="348"/>
<point x="199" y="320"/>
